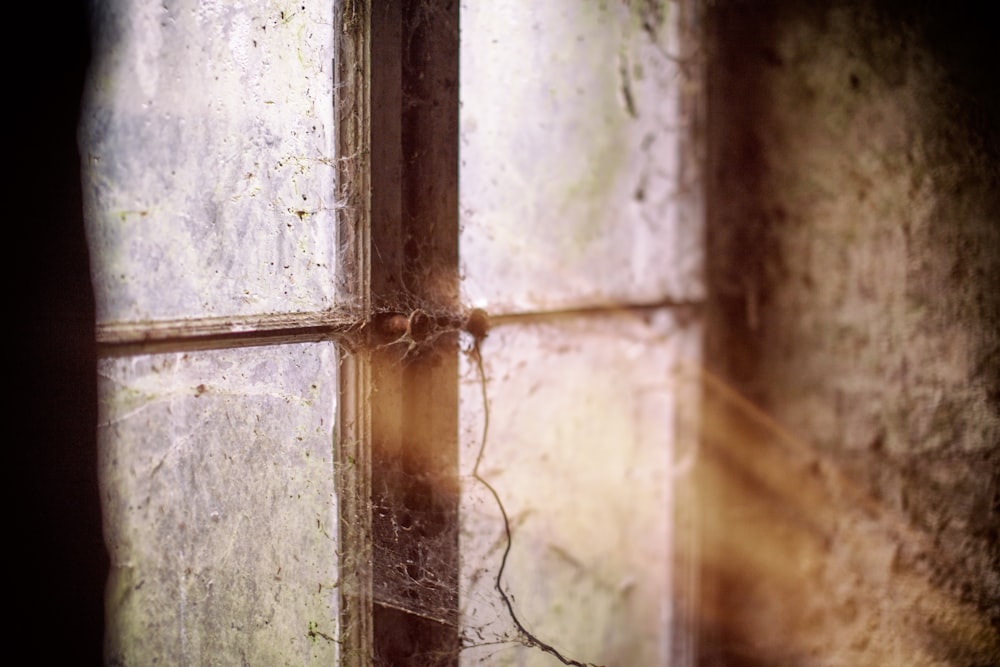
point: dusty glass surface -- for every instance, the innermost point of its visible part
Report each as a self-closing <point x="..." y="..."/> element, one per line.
<point x="206" y="139"/>
<point x="216" y="472"/>
<point x="589" y="432"/>
<point x="574" y="190"/>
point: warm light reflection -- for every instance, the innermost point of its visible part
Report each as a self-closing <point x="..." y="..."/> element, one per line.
<point x="794" y="555"/>
<point x="783" y="553"/>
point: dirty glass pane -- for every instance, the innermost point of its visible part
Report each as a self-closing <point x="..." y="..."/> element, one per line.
<point x="573" y="187"/>
<point x="206" y="136"/>
<point x="589" y="434"/>
<point x="220" y="516"/>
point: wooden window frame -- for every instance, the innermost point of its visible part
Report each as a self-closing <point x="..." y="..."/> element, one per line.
<point x="397" y="156"/>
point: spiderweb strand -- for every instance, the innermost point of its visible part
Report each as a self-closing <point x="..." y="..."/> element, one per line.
<point x="526" y="637"/>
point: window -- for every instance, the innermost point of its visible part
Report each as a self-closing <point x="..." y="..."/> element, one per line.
<point x="207" y="139"/>
<point x="395" y="305"/>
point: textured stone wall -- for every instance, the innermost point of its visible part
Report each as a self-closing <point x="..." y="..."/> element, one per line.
<point x="852" y="404"/>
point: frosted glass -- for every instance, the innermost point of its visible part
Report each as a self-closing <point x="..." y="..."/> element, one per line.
<point x="574" y="186"/>
<point x="206" y="139"/>
<point x="216" y="473"/>
<point x="589" y="433"/>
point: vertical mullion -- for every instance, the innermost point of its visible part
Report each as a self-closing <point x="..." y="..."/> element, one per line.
<point x="399" y="444"/>
<point x="353" y="453"/>
<point x="415" y="392"/>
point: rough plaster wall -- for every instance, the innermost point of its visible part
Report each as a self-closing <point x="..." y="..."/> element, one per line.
<point x="854" y="251"/>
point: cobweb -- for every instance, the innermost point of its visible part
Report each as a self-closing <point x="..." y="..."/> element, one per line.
<point x="552" y="542"/>
<point x="554" y="546"/>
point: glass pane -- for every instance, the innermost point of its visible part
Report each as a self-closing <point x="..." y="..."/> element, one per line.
<point x="220" y="516"/>
<point x="589" y="437"/>
<point x="206" y="138"/>
<point x="574" y="190"/>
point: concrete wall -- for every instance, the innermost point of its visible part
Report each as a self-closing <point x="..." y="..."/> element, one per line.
<point x="852" y="404"/>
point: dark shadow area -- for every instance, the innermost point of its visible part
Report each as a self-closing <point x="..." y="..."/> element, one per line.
<point x="59" y="561"/>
